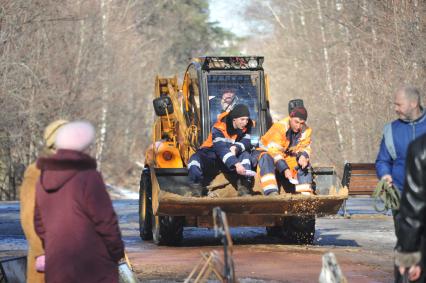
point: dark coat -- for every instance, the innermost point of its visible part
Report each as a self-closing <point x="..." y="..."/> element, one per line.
<point x="223" y="136"/>
<point x="411" y="220"/>
<point x="75" y="219"/>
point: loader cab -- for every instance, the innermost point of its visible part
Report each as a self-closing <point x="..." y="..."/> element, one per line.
<point x="227" y="90"/>
<point x="241" y="79"/>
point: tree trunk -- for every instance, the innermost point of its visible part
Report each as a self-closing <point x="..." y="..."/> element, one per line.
<point x="76" y="78"/>
<point x="344" y="31"/>
<point x="105" y="83"/>
<point x="329" y="82"/>
<point x="305" y="32"/>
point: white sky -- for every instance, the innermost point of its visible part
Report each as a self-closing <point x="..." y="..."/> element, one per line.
<point x="229" y="15"/>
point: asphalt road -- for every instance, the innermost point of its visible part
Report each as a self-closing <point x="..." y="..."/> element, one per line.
<point x="363" y="245"/>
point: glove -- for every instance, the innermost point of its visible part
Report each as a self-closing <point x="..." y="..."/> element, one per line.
<point x="40" y="263"/>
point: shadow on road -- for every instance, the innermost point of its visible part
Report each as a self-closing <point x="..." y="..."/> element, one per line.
<point x="199" y="237"/>
<point x="322" y="239"/>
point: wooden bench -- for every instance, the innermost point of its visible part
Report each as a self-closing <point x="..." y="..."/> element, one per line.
<point x="360" y="178"/>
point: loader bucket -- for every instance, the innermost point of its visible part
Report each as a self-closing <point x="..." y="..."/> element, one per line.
<point x="170" y="185"/>
<point x="325" y="177"/>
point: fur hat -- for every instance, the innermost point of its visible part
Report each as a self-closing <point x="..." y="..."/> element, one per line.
<point x="240" y="110"/>
<point x="51" y="131"/>
<point x="77" y="136"/>
<point x="299" y="112"/>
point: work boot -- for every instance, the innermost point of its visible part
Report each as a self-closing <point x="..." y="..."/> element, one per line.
<point x="273" y="194"/>
<point x="243" y="187"/>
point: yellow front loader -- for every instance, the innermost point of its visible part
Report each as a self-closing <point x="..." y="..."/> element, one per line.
<point x="185" y="116"/>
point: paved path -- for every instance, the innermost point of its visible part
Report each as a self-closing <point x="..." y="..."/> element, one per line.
<point x="362" y="243"/>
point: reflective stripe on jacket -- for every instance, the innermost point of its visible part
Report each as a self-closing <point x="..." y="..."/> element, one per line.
<point x="220" y="141"/>
<point x="277" y="143"/>
<point x="403" y="133"/>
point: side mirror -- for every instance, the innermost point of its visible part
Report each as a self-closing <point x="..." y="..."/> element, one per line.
<point x="163" y="105"/>
<point x="294" y="103"/>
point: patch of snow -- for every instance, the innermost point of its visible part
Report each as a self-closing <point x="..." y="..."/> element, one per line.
<point x="121" y="193"/>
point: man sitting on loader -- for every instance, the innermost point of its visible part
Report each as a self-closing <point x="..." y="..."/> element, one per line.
<point x="286" y="148"/>
<point x="226" y="150"/>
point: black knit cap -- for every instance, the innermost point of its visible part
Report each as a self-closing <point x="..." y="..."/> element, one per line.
<point x="299" y="112"/>
<point x="240" y="110"/>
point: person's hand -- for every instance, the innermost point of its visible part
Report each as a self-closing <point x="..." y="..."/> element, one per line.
<point x="240" y="169"/>
<point x="233" y="149"/>
<point x="287" y="174"/>
<point x="40" y="263"/>
<point x="413" y="273"/>
<point x="303" y="161"/>
<point x="388" y="179"/>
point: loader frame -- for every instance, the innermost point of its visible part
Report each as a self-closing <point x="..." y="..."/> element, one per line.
<point x="165" y="208"/>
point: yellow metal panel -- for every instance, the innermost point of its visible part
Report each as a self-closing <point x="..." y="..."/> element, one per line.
<point x="267" y="87"/>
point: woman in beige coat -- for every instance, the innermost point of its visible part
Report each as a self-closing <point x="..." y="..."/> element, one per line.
<point x="27" y="198"/>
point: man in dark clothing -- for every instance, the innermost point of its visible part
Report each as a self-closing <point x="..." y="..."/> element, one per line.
<point x="74" y="216"/>
<point x="411" y="218"/>
<point x="227" y="149"/>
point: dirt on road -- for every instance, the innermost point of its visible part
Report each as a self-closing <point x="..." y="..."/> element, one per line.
<point x="276" y="263"/>
<point x="363" y="245"/>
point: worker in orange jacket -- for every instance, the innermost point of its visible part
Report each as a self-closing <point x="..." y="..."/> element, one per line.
<point x="286" y="148"/>
<point x="227" y="150"/>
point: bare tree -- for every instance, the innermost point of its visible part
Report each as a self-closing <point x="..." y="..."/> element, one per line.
<point x="93" y="60"/>
<point x="351" y="56"/>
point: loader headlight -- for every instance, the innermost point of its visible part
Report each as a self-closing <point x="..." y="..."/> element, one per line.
<point x="167" y="155"/>
<point x="252" y="63"/>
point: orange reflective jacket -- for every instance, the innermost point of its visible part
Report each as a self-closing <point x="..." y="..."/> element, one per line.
<point x="223" y="136"/>
<point x="220" y="125"/>
<point x="276" y="143"/>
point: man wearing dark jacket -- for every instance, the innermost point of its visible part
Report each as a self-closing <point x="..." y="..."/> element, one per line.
<point x="412" y="216"/>
<point x="227" y="149"/>
<point x="74" y="216"/>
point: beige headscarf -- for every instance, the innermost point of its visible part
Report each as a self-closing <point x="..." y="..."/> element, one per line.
<point x="50" y="135"/>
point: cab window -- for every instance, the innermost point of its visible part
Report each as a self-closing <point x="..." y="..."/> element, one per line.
<point x="224" y="91"/>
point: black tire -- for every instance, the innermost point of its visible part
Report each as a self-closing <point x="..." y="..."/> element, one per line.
<point x="145" y="206"/>
<point x="167" y="230"/>
<point x="274" y="231"/>
<point x="299" y="229"/>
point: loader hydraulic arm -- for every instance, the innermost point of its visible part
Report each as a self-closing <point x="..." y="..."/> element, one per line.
<point x="173" y="126"/>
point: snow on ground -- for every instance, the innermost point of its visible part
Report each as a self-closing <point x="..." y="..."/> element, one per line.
<point x="117" y="192"/>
